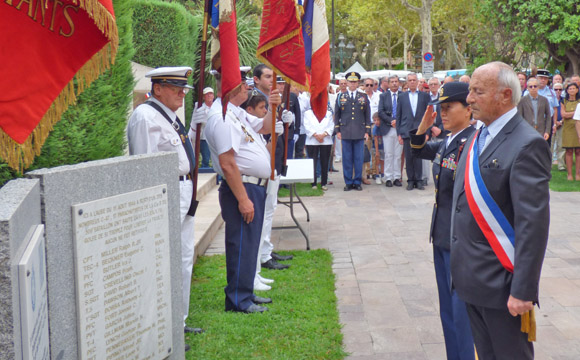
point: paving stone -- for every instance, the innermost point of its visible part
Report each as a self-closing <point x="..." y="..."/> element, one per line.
<point x="383" y="265"/>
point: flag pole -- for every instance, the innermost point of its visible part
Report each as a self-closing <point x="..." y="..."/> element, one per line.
<point x="200" y="86"/>
<point x="286" y="99"/>
<point x="273" y="131"/>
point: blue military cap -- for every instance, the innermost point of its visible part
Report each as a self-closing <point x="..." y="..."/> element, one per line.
<point x="453" y="91"/>
<point x="353" y="76"/>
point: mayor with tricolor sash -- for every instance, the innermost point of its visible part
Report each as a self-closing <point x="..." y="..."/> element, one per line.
<point x="500" y="218"/>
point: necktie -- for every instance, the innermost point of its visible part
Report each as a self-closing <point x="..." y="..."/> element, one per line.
<point x="395" y="105"/>
<point x="352" y="95"/>
<point x="481" y="140"/>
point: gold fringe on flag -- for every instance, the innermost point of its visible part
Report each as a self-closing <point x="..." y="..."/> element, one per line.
<point x="21" y="156"/>
<point x="529" y="324"/>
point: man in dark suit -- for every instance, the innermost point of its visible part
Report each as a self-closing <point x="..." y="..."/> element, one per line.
<point x="411" y="106"/>
<point x="535" y="109"/>
<point x="392" y="148"/>
<point x="352" y="121"/>
<point x="514" y="164"/>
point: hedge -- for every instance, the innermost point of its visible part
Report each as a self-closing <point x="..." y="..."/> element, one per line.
<point x="166" y="34"/>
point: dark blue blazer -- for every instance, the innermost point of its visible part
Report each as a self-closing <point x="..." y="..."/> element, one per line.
<point x="405" y="119"/>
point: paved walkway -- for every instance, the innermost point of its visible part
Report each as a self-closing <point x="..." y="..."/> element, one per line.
<point x="385" y="283"/>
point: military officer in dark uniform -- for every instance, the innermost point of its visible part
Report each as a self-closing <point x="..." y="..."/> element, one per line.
<point x="455" y="116"/>
<point x="352" y="121"/>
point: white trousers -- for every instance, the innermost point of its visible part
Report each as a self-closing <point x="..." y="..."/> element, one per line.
<point x="337" y="149"/>
<point x="426" y="169"/>
<point x="187" y="242"/>
<point x="393" y="151"/>
<point x="266" y="246"/>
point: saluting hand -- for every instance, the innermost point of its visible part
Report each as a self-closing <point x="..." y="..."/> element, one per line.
<point x="427" y="121"/>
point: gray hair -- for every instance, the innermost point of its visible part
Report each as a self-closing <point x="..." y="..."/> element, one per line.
<point x="507" y="78"/>
<point x="436" y="79"/>
<point x="393" y="77"/>
<point x="532" y="79"/>
<point x="411" y="74"/>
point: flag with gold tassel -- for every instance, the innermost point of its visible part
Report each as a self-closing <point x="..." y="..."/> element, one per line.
<point x="281" y="45"/>
<point x="50" y="52"/>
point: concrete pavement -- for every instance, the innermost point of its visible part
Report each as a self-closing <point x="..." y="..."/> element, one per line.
<point x="385" y="283"/>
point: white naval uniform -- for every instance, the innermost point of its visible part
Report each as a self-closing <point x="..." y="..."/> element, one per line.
<point x="149" y="132"/>
<point x="223" y="135"/>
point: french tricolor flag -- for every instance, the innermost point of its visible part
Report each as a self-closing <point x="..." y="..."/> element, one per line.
<point x="317" y="49"/>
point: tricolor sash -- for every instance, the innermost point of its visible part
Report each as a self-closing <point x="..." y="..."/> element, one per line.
<point x="489" y="217"/>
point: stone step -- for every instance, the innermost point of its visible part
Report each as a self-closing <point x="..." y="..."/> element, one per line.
<point x="208" y="217"/>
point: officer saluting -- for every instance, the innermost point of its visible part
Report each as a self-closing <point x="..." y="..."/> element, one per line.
<point x="240" y="156"/>
<point x="154" y="127"/>
<point x="352" y="122"/>
<point x="455" y="115"/>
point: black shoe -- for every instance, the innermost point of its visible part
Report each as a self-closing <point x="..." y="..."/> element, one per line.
<point x="425" y="182"/>
<point x="347" y="187"/>
<point x="250" y="310"/>
<point x="420" y="186"/>
<point x="357" y="187"/>
<point x="261" y="300"/>
<point x="279" y="257"/>
<point x="410" y="186"/>
<point x="397" y="182"/>
<point x="274" y="265"/>
<point x="195" y="331"/>
<point x="389" y="183"/>
<point x="187" y="347"/>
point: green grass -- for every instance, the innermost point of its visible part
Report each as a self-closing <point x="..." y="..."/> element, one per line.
<point x="302" y="322"/>
<point x="560" y="182"/>
<point x="302" y="189"/>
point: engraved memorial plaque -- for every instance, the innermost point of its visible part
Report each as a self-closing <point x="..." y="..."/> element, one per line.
<point x="123" y="276"/>
<point x="34" y="298"/>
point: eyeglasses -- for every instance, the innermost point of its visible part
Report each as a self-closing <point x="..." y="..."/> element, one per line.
<point x="252" y="94"/>
<point x="178" y="90"/>
<point x="367" y="85"/>
<point x="532" y="86"/>
<point x="557" y="89"/>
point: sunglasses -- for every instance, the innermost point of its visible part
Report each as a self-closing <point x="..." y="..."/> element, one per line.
<point x="557" y="89"/>
<point x="367" y="85"/>
<point x="252" y="94"/>
<point x="532" y="86"/>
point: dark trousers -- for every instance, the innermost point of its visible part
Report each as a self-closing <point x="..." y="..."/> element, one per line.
<point x="454" y="319"/>
<point x="497" y="334"/>
<point x="299" y="147"/>
<point x="322" y="153"/>
<point x="414" y="164"/>
<point x="352" y="160"/>
<point x="242" y="244"/>
<point x="205" y="154"/>
<point x="290" y="147"/>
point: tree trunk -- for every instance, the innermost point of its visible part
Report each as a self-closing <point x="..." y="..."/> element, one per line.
<point x="405" y="46"/>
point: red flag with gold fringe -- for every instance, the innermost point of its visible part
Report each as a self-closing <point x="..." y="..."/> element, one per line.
<point x="50" y="52"/>
<point x="281" y="45"/>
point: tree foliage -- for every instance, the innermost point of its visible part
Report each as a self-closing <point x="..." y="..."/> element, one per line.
<point x="532" y="28"/>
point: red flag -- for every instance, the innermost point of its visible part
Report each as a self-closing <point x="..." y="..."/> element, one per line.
<point x="224" y="50"/>
<point x="46" y="46"/>
<point x="281" y="46"/>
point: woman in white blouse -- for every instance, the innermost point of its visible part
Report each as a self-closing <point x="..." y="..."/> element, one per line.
<point x="319" y="142"/>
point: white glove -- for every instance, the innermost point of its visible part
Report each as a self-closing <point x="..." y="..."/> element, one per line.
<point x="279" y="128"/>
<point x="288" y="117"/>
<point x="296" y="136"/>
<point x="199" y="116"/>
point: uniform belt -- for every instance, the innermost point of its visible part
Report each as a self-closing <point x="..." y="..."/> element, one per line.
<point x="185" y="177"/>
<point x="254" y="180"/>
